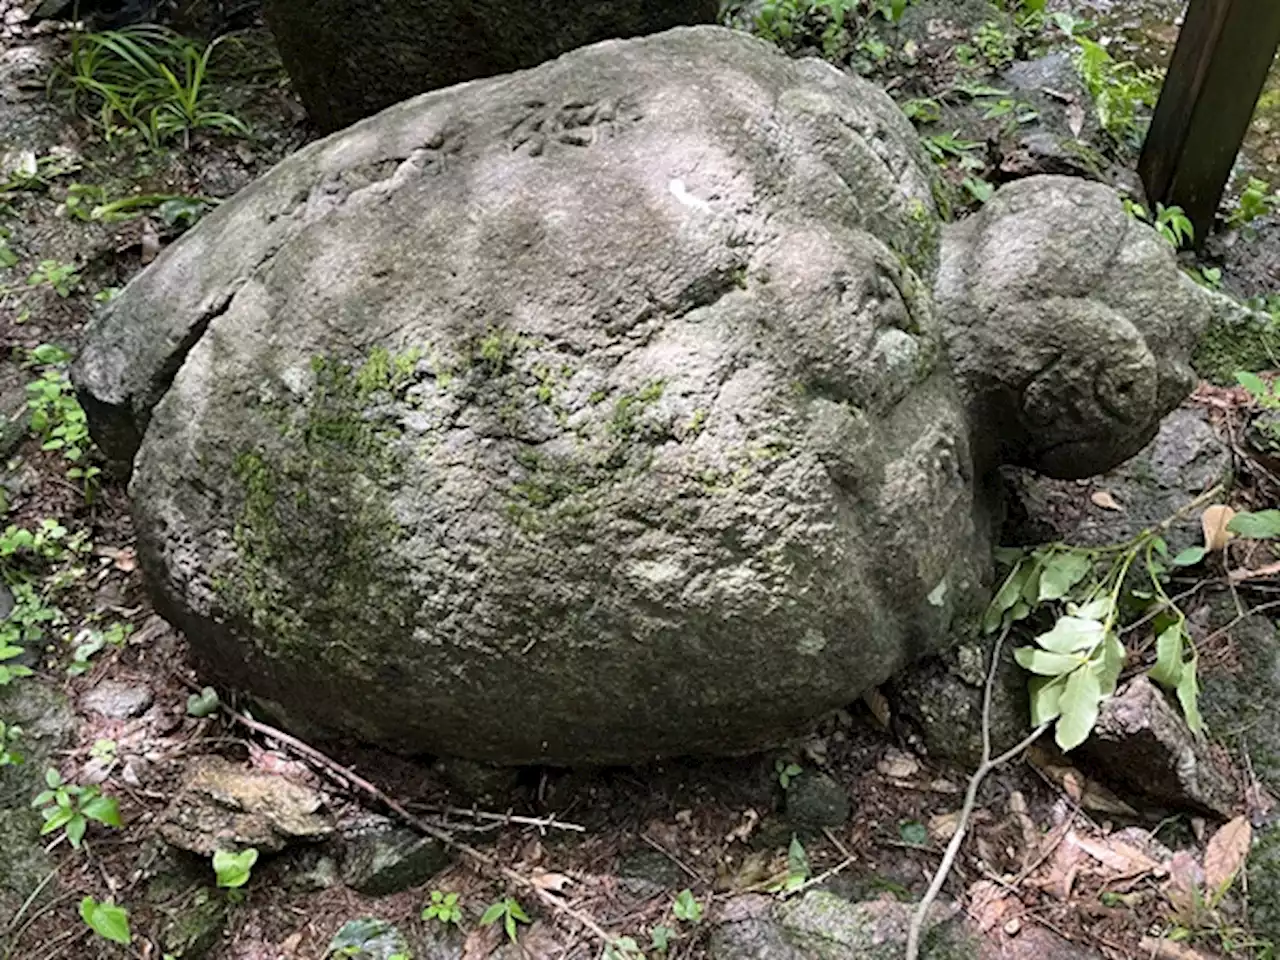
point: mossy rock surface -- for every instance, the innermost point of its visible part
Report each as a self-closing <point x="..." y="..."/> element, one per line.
<point x="47" y="722"/>
<point x="572" y="416"/>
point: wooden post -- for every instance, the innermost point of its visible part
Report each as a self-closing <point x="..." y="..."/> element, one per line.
<point x="1219" y="67"/>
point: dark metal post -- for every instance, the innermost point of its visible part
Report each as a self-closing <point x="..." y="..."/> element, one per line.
<point x="1219" y="67"/>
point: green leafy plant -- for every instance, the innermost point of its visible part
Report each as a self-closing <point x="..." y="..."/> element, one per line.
<point x="978" y="189"/>
<point x="233" y="869"/>
<point x="923" y="110"/>
<point x="686" y="907"/>
<point x="798" y="869"/>
<point x="509" y="911"/>
<point x="145" y="81"/>
<point x="1077" y="662"/>
<point x="58" y="419"/>
<point x="913" y="832"/>
<point x="89" y="642"/>
<point x="1120" y="89"/>
<point x="944" y="147"/>
<point x="443" y="909"/>
<point x="70" y="808"/>
<point x="7" y="257"/>
<point x="1265" y="394"/>
<point x="203" y="704"/>
<point x="995" y="45"/>
<point x="1256" y="200"/>
<point x="9" y="753"/>
<point x="62" y="278"/>
<point x="1171" y="223"/>
<point x="660" y="938"/>
<point x="33" y="173"/>
<point x="90" y="204"/>
<point x="1208" y="277"/>
<point x="786" y="772"/>
<point x="623" y="948"/>
<point x="106" y="920"/>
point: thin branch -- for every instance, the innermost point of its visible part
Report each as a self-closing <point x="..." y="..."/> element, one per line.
<point x="483" y="860"/>
<point x="921" y="914"/>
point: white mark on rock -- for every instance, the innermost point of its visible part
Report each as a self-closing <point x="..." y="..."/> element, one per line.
<point x="681" y="193"/>
<point x="939" y="593"/>
<point x="811" y="644"/>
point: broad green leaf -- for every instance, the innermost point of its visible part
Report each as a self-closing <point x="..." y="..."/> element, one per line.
<point x="232" y="869"/>
<point x="1062" y="573"/>
<point x="1109" y="665"/>
<point x="1189" y="557"/>
<point x="517" y="911"/>
<point x="60" y="817"/>
<point x="1079" y="704"/>
<point x="1044" y="662"/>
<point x="493" y="913"/>
<point x="797" y="859"/>
<point x="1168" y="669"/>
<point x="1189" y="696"/>
<point x="1005" y="598"/>
<point x="76" y="827"/>
<point x="1098" y="609"/>
<point x="104" y="810"/>
<point x="106" y="920"/>
<point x="1256" y="386"/>
<point x="1072" y="635"/>
<point x="1263" y="525"/>
<point x="1046" y="694"/>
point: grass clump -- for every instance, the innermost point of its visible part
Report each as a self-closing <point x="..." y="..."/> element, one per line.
<point x="145" y="81"/>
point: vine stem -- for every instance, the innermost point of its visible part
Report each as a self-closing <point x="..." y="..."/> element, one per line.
<point x="988" y="764"/>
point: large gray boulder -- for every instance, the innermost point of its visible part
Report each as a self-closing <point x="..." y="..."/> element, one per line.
<point x="348" y="59"/>
<point x="582" y="415"/>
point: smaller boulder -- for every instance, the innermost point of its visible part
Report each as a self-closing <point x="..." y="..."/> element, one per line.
<point x="225" y="807"/>
<point x="386" y="861"/>
<point x="1142" y="740"/>
<point x="369" y="939"/>
<point x="815" y="801"/>
<point x="821" y="924"/>
<point x="117" y="700"/>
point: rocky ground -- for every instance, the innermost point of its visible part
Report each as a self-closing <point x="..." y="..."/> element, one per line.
<point x="1151" y="842"/>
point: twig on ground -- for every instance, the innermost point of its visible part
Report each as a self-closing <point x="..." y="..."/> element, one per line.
<point x="481" y="859"/>
<point x="673" y="858"/>
<point x="970" y="801"/>
<point x="542" y="823"/>
<point x="1235" y="622"/>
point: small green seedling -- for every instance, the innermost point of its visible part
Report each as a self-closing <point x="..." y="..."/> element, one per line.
<point x="786" y="772"/>
<point x="509" y="911"/>
<point x="232" y="869"/>
<point x="106" y="920"/>
<point x="686" y="907"/>
<point x="798" y="869"/>
<point x="9" y="735"/>
<point x="660" y="938"/>
<point x="203" y="704"/>
<point x="61" y="277"/>
<point x="70" y="808"/>
<point x="443" y="908"/>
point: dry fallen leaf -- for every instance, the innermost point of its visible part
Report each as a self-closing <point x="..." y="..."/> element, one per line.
<point x="898" y="765"/>
<point x="1075" y="118"/>
<point x="126" y="560"/>
<point x="1269" y="570"/>
<point x="150" y="242"/>
<point x="878" y="704"/>
<point x="555" y="882"/>
<point x="943" y="826"/>
<point x="1226" y="854"/>
<point x="744" y="829"/>
<point x="1120" y="857"/>
<point x="1106" y="501"/>
<point x="1214" y="520"/>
